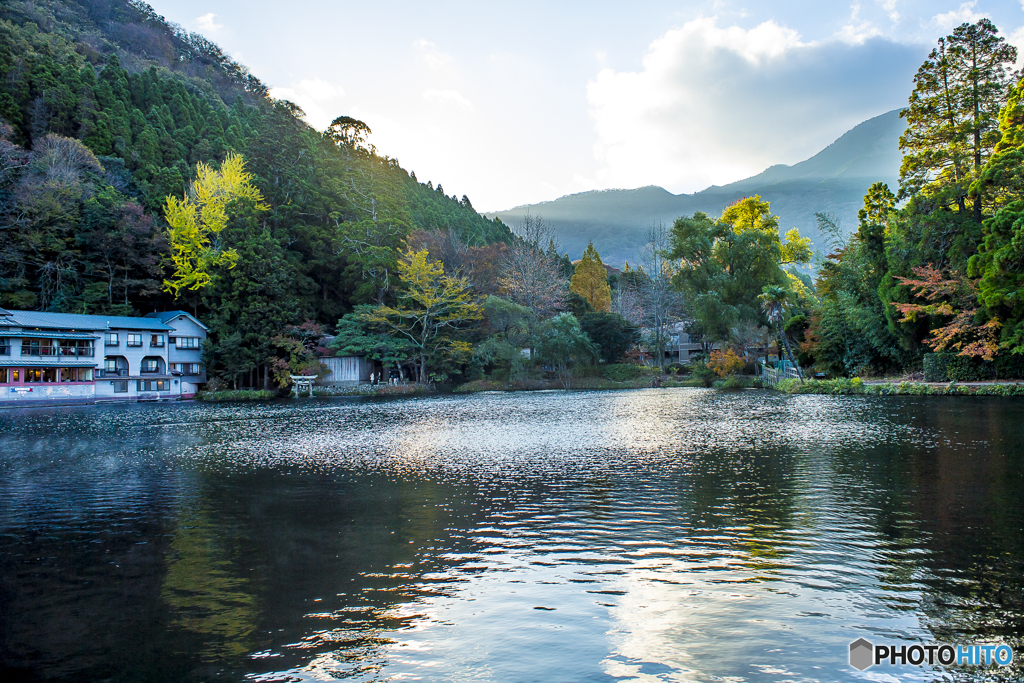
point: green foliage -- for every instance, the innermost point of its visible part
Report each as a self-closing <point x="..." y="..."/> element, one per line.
<point x="613" y="334"/>
<point x="564" y="346"/>
<point x="622" y="372"/>
<point x="952" y="115"/>
<point x="357" y="337"/>
<point x="819" y="386"/>
<point x="509" y="324"/>
<point x="951" y="367"/>
<point x="236" y="395"/>
<point x="728" y="262"/>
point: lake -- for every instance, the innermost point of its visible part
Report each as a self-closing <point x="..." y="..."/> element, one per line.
<point x="649" y="535"/>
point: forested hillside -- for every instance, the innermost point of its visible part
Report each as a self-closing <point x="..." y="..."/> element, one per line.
<point x="105" y="109"/>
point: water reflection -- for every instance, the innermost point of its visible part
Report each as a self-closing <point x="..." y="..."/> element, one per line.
<point x="662" y="535"/>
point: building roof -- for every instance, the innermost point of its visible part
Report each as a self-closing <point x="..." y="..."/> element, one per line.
<point x="54" y="335"/>
<point x="167" y="316"/>
<point x="75" y="321"/>
<point x="61" y="362"/>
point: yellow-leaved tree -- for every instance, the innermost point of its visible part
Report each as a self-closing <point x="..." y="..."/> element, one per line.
<point x="431" y="305"/>
<point x="590" y="280"/>
<point x="196" y="220"/>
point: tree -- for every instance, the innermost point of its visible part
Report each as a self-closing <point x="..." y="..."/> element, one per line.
<point x="564" y="346"/>
<point x="529" y="276"/>
<point x="613" y="334"/>
<point x="774" y="299"/>
<point x="954" y="297"/>
<point x="509" y="324"/>
<point x="659" y="299"/>
<point x="356" y="337"/>
<point x="725" y="363"/>
<point x="196" y="221"/>
<point x="430" y="305"/>
<point x="953" y="114"/>
<point x="590" y="280"/>
<point x="725" y="264"/>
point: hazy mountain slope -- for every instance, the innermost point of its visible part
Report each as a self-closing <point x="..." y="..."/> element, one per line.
<point x="833" y="180"/>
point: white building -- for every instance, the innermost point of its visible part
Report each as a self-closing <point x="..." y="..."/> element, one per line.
<point x="65" y="357"/>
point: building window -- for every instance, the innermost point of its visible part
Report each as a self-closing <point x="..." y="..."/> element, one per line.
<point x="110" y="364"/>
<point x="187" y="368"/>
<point x="157" y="341"/>
<point x="151" y="365"/>
<point x="38" y="347"/>
<point x="187" y="342"/>
<point x="78" y="348"/>
<point x="153" y="385"/>
<point x="5" y="347"/>
<point x="110" y="339"/>
<point x="76" y="374"/>
<point x="16" y="376"/>
<point x="35" y="375"/>
<point x="120" y="386"/>
<point x="3" y="375"/>
<point x="134" y="340"/>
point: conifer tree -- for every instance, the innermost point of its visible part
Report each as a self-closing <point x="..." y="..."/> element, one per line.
<point x="590" y="280"/>
<point x="953" y="114"/>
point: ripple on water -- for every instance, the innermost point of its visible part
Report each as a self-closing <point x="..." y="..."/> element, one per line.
<point x="671" y="535"/>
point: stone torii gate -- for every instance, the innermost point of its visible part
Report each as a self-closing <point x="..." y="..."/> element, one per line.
<point x="303" y="383"/>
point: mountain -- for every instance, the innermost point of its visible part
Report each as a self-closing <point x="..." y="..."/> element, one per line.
<point x="834" y="180"/>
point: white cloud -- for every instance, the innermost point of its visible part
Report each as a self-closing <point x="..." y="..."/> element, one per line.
<point x="713" y="104"/>
<point x="890" y="8"/>
<point x="320" y="99"/>
<point x="447" y="97"/>
<point x="963" y="14"/>
<point x="858" y="30"/>
<point x="1016" y="38"/>
<point x="431" y="56"/>
<point x="207" y="23"/>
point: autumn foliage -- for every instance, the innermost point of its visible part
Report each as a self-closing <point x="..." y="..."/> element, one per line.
<point x="954" y="298"/>
<point x="725" y="363"/>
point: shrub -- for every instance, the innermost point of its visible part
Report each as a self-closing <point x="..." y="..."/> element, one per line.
<point x="952" y="367"/>
<point x="621" y="372"/>
<point x="703" y="373"/>
<point x="733" y="382"/>
<point x="235" y="395"/>
<point x="725" y="363"/>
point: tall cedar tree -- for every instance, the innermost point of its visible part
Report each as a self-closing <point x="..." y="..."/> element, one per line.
<point x="952" y="117"/>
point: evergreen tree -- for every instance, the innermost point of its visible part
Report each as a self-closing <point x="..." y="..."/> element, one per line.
<point x="953" y="114"/>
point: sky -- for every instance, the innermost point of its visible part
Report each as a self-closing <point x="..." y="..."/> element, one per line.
<point x="516" y="103"/>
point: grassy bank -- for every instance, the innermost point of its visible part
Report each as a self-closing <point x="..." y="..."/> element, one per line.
<point x="595" y="383"/>
<point x="856" y="386"/>
<point x="237" y="395"/>
<point x="371" y="390"/>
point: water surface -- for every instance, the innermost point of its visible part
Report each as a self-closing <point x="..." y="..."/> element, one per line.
<point x="653" y="535"/>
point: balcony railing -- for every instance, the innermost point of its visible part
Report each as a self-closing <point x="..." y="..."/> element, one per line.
<point x="48" y="351"/>
<point x="150" y="371"/>
<point x="103" y="374"/>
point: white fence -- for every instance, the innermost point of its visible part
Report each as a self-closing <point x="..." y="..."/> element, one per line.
<point x="771" y="376"/>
